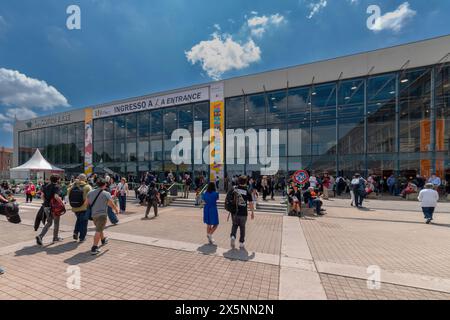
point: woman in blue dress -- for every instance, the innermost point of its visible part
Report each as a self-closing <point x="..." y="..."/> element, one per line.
<point x="210" y="212"/>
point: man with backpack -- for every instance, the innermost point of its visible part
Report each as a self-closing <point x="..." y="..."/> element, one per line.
<point x="50" y="192"/>
<point x="77" y="194"/>
<point x="152" y="200"/>
<point x="237" y="202"/>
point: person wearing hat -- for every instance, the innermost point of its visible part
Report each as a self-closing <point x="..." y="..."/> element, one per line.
<point x="428" y="198"/>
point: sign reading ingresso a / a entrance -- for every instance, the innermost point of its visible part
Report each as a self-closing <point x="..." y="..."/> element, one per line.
<point x="170" y="100"/>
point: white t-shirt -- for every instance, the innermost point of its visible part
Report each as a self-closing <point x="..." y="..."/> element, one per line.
<point x="428" y="198"/>
<point x="313" y="182"/>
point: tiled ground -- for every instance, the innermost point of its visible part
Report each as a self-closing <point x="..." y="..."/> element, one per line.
<point x="132" y="271"/>
<point x="395" y="241"/>
<point x="10" y="234"/>
<point x="342" y="288"/>
<point x="263" y="233"/>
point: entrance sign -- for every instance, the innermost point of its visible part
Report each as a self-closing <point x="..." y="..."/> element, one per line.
<point x="301" y="177"/>
<point x="142" y="104"/>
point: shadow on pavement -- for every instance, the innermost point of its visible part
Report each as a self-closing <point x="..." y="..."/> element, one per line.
<point x="50" y="249"/>
<point x="83" y="257"/>
<point x="207" y="249"/>
<point x="239" y="254"/>
<point x="394" y="221"/>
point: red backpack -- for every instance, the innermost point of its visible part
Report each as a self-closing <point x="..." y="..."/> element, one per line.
<point x="57" y="207"/>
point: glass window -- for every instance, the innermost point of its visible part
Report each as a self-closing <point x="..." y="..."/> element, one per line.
<point x="255" y="112"/>
<point x="108" y="151"/>
<point x="156" y="151"/>
<point x="415" y="121"/>
<point x="299" y="139"/>
<point x="185" y="117"/>
<point x="351" y="135"/>
<point x="131" y="120"/>
<point x="109" y="129"/>
<point x="324" y="137"/>
<point x="351" y="99"/>
<point x="277" y="104"/>
<point x="235" y="112"/>
<point x="64" y="131"/>
<point x="144" y="124"/>
<point x="80" y="132"/>
<point x="443" y="110"/>
<point x="98" y="151"/>
<point x="298" y="105"/>
<point x="98" y="130"/>
<point x="201" y="113"/>
<point x="119" y="127"/>
<point x="323" y="100"/>
<point x="119" y="151"/>
<point x="170" y="121"/>
<point x="381" y="91"/>
<point x="143" y="149"/>
<point x="131" y="150"/>
<point x="156" y="122"/>
<point x="72" y="137"/>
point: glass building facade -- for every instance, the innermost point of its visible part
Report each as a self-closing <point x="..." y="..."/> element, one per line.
<point x="379" y="124"/>
<point x="135" y="143"/>
<point x="61" y="145"/>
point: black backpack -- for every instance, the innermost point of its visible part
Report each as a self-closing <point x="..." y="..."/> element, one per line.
<point x="76" y="197"/>
<point x="231" y="202"/>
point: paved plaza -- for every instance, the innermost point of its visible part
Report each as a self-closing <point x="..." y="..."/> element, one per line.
<point x="285" y="257"/>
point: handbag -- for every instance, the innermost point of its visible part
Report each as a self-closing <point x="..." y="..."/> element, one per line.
<point x="89" y="208"/>
<point x="57" y="207"/>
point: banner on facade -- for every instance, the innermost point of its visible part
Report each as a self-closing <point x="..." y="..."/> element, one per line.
<point x="217" y="114"/>
<point x="88" y="147"/>
<point x="170" y="100"/>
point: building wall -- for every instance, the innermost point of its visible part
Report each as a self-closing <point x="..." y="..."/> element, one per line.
<point x="6" y="156"/>
<point x="347" y="114"/>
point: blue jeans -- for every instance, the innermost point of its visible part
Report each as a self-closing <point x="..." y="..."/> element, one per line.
<point x="112" y="217"/>
<point x="315" y="203"/>
<point x="428" y="213"/>
<point x="81" y="226"/>
<point x="123" y="203"/>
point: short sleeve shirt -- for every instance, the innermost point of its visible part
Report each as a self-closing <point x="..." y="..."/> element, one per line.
<point x="100" y="207"/>
<point x="243" y="205"/>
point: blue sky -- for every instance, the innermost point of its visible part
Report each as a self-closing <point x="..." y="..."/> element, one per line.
<point x="135" y="47"/>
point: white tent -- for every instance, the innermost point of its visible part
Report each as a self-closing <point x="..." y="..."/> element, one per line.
<point x="37" y="164"/>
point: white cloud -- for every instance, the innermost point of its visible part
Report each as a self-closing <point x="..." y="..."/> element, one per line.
<point x="8" y="127"/>
<point x="222" y="53"/>
<point x="316" y="7"/>
<point x="21" y="113"/>
<point x="16" y="89"/>
<point x="394" y="20"/>
<point x="259" y="24"/>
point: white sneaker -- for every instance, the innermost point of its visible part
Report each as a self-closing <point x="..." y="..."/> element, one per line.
<point x="211" y="240"/>
<point x="241" y="245"/>
<point x="233" y="242"/>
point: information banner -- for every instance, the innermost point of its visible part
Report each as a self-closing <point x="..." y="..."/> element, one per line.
<point x="217" y="122"/>
<point x="88" y="147"/>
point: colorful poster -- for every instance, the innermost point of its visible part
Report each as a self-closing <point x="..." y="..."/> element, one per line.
<point x="88" y="147"/>
<point x="217" y="122"/>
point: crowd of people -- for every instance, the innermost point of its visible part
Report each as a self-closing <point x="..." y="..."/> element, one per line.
<point x="98" y="198"/>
